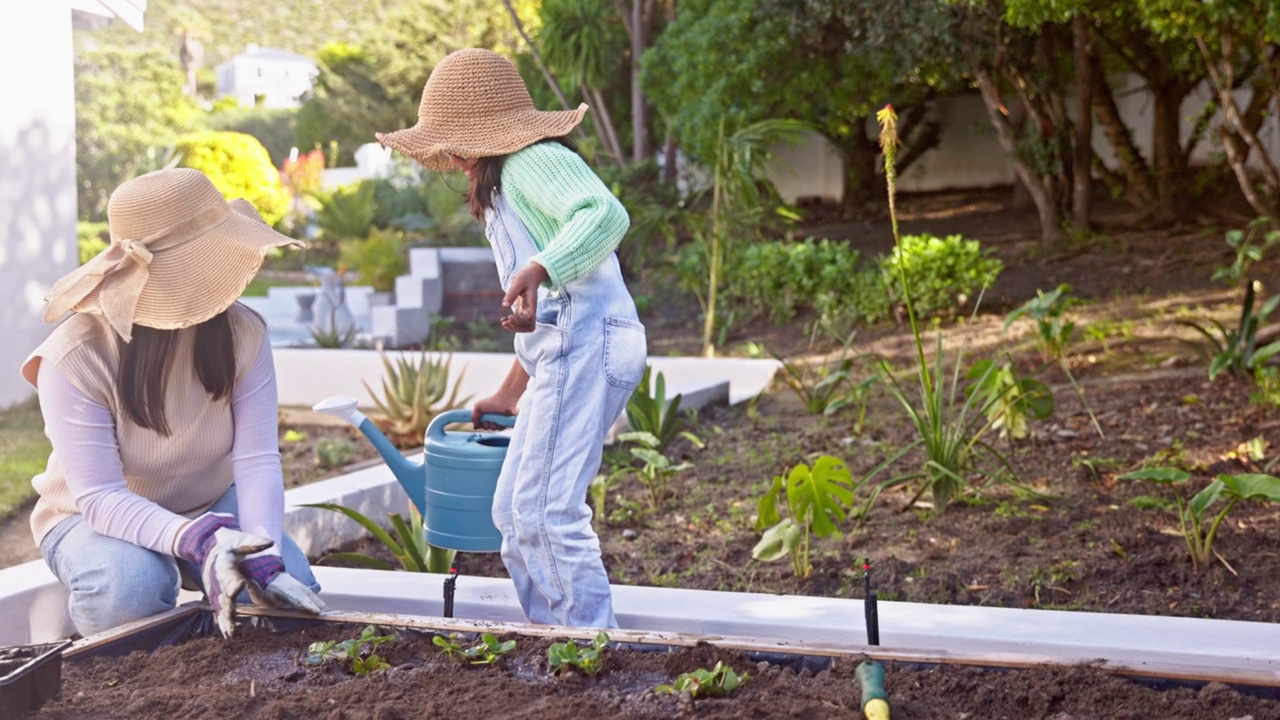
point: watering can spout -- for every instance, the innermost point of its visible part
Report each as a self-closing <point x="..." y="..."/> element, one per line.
<point x="408" y="473"/>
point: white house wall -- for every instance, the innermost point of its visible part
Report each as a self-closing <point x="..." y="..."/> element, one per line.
<point x="37" y="175"/>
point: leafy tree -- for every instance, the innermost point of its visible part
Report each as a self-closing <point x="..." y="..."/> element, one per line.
<point x="375" y="85"/>
<point x="1021" y="76"/>
<point x="129" y="106"/>
<point x="583" y="43"/>
<point x="829" y="64"/>
<point x="1239" y="43"/>
<point x="273" y="127"/>
<point x="346" y="103"/>
<point x="1108" y="38"/>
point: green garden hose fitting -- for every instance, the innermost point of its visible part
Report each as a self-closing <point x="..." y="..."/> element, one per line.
<point x="875" y="702"/>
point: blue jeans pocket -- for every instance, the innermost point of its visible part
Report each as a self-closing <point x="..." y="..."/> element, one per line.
<point x="625" y="352"/>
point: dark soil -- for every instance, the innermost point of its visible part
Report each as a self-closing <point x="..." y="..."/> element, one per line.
<point x="262" y="674"/>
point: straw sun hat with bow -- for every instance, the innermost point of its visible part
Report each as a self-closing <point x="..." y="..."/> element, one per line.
<point x="179" y="255"/>
<point x="475" y="104"/>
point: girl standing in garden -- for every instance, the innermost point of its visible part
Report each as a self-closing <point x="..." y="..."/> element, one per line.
<point x="158" y="393"/>
<point x="580" y="348"/>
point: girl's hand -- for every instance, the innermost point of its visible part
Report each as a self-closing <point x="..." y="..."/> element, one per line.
<point x="494" y="404"/>
<point x="522" y="298"/>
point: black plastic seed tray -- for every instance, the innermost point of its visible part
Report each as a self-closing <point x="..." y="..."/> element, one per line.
<point x="29" y="675"/>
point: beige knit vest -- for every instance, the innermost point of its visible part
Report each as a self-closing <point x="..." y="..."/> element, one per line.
<point x="184" y="472"/>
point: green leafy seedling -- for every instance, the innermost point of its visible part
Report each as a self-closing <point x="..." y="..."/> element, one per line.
<point x="448" y="645"/>
<point x="1198" y="527"/>
<point x="716" y="682"/>
<point x="656" y="470"/>
<point x="587" y="659"/>
<point x="488" y="650"/>
<point x="360" y="652"/>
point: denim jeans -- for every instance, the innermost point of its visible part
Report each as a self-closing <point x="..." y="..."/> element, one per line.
<point x="584" y="358"/>
<point x="113" y="582"/>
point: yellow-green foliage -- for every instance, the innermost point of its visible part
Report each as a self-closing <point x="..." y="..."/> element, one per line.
<point x="92" y="239"/>
<point x="239" y="167"/>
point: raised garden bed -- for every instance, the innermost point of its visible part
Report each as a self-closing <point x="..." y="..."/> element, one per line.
<point x="180" y="669"/>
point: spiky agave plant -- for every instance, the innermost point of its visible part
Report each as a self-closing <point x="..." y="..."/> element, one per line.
<point x="414" y="389"/>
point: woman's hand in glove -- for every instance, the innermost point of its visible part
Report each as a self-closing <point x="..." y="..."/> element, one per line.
<point x="271" y="586"/>
<point x="214" y="543"/>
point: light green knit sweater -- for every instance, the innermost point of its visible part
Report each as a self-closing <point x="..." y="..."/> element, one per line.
<point x="573" y="218"/>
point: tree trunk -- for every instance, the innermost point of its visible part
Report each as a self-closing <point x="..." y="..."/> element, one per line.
<point x="1082" y="161"/>
<point x="604" y="123"/>
<point x="1041" y="192"/>
<point x="1167" y="150"/>
<point x="1140" y="188"/>
<point x="1238" y="138"/>
<point x="860" y="176"/>
<point x="639" y="113"/>
<point x="669" y="159"/>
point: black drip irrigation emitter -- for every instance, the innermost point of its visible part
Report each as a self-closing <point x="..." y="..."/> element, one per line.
<point x="450" y="585"/>
<point x="870" y="673"/>
<point x="869" y="606"/>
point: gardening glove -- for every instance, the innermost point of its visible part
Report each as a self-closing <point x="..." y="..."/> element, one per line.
<point x="214" y="543"/>
<point x="271" y="586"/>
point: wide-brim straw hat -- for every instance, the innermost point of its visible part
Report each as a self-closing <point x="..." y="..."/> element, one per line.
<point x="179" y="255"/>
<point x="474" y="105"/>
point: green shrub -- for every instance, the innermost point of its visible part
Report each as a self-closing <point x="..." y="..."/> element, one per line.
<point x="93" y="239"/>
<point x="378" y="259"/>
<point x="346" y="213"/>
<point x="239" y="166"/>
<point x="780" y="279"/>
<point x="944" y="274"/>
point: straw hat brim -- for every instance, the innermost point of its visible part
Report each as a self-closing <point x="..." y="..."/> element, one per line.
<point x="191" y="282"/>
<point x="501" y="134"/>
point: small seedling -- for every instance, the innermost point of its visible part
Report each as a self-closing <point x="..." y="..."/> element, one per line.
<point x="360" y="652"/>
<point x="716" y="682"/>
<point x="488" y="650"/>
<point x="485" y="652"/>
<point x="448" y="645"/>
<point x="587" y="659"/>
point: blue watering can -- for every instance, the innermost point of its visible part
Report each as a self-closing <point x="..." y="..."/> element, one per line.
<point x="453" y="486"/>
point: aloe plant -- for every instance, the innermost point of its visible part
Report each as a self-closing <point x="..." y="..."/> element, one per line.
<point x="1199" y="528"/>
<point x="414" y="390"/>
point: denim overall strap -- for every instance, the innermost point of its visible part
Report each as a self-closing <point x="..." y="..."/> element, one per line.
<point x="584" y="357"/>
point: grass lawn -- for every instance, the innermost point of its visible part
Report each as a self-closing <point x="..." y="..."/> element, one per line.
<point x="24" y="450"/>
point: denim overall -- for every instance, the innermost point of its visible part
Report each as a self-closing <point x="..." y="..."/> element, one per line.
<point x="584" y="358"/>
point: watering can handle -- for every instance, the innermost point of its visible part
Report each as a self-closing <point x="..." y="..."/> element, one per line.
<point x="449" y="417"/>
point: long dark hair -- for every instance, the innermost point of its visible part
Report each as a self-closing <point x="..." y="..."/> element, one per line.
<point x="489" y="179"/>
<point x="145" y="364"/>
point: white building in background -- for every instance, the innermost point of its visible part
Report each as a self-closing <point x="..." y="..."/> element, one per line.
<point x="281" y="78"/>
<point x="38" y="164"/>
